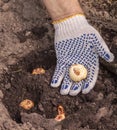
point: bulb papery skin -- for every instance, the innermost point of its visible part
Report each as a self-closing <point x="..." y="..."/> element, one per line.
<point x="77" y="72"/>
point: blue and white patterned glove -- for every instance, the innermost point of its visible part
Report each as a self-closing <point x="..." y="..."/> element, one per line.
<point x="77" y="42"/>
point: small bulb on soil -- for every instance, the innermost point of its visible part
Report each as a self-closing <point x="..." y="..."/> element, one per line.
<point x="26" y="104"/>
<point x="61" y="114"/>
<point x="77" y="72"/>
<point x="38" y="71"/>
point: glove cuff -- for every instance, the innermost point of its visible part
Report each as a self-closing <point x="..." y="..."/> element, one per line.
<point x="69" y="27"/>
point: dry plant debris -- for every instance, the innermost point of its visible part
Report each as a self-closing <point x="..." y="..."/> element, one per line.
<point x="38" y="71"/>
<point x="61" y="114"/>
<point x="77" y="72"/>
<point x="27" y="104"/>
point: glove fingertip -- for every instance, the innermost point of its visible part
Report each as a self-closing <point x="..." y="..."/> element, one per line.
<point x="56" y="83"/>
<point x="75" y="90"/>
<point x="64" y="90"/>
<point x="88" y="86"/>
<point x="86" y="89"/>
<point x="57" y="77"/>
<point x="109" y="57"/>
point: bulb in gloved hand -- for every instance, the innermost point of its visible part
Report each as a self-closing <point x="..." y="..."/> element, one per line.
<point x="77" y="72"/>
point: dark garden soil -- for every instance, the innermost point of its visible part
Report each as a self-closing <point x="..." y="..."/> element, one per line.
<point x="81" y="111"/>
<point x="94" y="111"/>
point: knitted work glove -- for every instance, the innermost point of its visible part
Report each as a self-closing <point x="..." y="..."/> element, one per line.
<point x="77" y="42"/>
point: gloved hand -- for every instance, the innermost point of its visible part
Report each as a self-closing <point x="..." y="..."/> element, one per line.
<point x="77" y="42"/>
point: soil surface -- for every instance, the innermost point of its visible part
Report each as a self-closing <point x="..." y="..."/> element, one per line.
<point x="26" y="43"/>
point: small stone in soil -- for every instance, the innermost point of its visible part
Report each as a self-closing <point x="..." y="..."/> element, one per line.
<point x="40" y="107"/>
<point x="1" y="10"/>
<point x="100" y="96"/>
<point x="5" y="7"/>
<point x="8" y="86"/>
<point x="1" y="94"/>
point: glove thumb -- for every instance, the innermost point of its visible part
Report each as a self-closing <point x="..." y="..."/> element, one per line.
<point x="101" y="48"/>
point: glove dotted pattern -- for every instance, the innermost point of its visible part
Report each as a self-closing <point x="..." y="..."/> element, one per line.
<point x="84" y="50"/>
